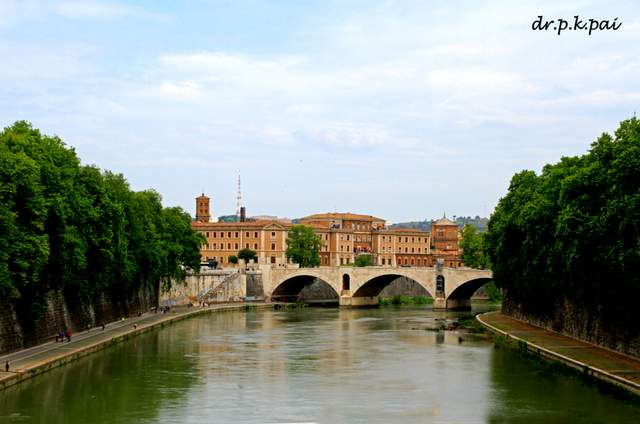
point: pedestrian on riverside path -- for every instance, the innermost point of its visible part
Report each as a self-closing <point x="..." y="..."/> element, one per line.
<point x="6" y="366"/>
<point x="68" y="335"/>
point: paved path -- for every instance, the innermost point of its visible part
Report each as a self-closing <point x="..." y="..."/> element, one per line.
<point x="582" y="353"/>
<point x="32" y="361"/>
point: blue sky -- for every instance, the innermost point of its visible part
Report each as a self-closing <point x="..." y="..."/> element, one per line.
<point x="399" y="109"/>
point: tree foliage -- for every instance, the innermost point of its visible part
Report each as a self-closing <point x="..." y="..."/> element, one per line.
<point x="364" y="260"/>
<point x="472" y="245"/>
<point x="247" y="255"/>
<point x="233" y="259"/>
<point x="571" y="235"/>
<point x="303" y="246"/>
<point x="74" y="228"/>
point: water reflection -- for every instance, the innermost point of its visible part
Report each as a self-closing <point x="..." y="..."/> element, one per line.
<point x="312" y="365"/>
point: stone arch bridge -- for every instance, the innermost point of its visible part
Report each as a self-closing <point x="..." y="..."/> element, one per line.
<point x="360" y="286"/>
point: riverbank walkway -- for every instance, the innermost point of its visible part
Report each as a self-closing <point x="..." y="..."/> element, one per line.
<point x="27" y="363"/>
<point x="602" y="363"/>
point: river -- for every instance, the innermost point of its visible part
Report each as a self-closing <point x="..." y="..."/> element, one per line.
<point x="314" y="365"/>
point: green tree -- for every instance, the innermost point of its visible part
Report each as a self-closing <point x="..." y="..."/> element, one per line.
<point x="81" y="231"/>
<point x="303" y="246"/>
<point x="568" y="240"/>
<point x="233" y="259"/>
<point x="364" y="260"/>
<point x="247" y="255"/>
<point x="473" y="247"/>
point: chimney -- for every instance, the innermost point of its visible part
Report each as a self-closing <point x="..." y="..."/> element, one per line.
<point x="243" y="214"/>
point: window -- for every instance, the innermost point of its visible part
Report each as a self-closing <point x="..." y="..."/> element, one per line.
<point x="383" y="261"/>
<point x="246" y="234"/>
<point x="369" y="237"/>
<point x="406" y="261"/>
<point x="418" y="250"/>
<point x="413" y="240"/>
<point x="273" y="246"/>
<point x="406" y="239"/>
<point x="273" y="259"/>
<point x="383" y="238"/>
<point x="236" y="234"/>
<point x="348" y="237"/>
<point x="255" y="235"/>
<point x="214" y="234"/>
<point x="246" y="246"/>
<point x="228" y="246"/>
<point x="221" y="234"/>
<point x="229" y="234"/>
<point x="207" y="234"/>
<point x="413" y="262"/>
<point x="215" y="246"/>
<point x="255" y="246"/>
<point x="406" y="250"/>
<point x="273" y="234"/>
<point x="412" y="250"/>
<point x="236" y="246"/>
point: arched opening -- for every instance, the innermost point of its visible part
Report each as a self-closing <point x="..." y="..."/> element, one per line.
<point x="468" y="288"/>
<point x="390" y="285"/>
<point x="307" y="289"/>
<point x="346" y="282"/>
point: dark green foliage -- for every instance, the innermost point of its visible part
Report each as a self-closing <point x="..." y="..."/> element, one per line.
<point x="404" y="300"/>
<point x="233" y="259"/>
<point x="364" y="260"/>
<point x="303" y="246"/>
<point x="472" y="247"/>
<point x="247" y="255"/>
<point x="571" y="236"/>
<point x="75" y="228"/>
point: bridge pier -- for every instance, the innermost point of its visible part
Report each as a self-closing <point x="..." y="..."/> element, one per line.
<point x="356" y="302"/>
<point x="442" y="304"/>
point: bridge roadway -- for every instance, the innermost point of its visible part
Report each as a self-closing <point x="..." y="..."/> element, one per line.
<point x="360" y="286"/>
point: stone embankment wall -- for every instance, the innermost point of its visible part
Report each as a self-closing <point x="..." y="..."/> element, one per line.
<point x="215" y="286"/>
<point x="59" y="315"/>
<point x="577" y="323"/>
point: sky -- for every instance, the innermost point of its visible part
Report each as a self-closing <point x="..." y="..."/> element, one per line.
<point x="400" y="109"/>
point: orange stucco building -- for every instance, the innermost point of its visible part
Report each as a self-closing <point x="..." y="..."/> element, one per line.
<point x="343" y="235"/>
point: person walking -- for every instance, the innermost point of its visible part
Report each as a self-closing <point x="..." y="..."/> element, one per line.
<point x="6" y="366"/>
<point x="69" y="335"/>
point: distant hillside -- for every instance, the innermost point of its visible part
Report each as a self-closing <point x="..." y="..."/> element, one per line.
<point x="479" y="223"/>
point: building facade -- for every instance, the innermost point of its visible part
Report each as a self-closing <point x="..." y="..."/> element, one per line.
<point x="344" y="236"/>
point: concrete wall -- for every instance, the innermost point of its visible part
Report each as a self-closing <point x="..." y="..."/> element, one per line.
<point x="228" y="285"/>
<point x="59" y="315"/>
<point x="575" y="322"/>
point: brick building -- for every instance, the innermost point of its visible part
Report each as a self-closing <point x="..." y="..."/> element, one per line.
<point x="344" y="236"/>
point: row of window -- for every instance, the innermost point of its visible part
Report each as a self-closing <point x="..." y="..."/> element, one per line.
<point x="399" y="250"/>
<point x="236" y="234"/>
<point x="214" y="246"/>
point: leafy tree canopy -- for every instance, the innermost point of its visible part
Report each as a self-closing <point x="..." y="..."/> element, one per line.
<point x="78" y="229"/>
<point x="247" y="255"/>
<point x="364" y="260"/>
<point x="571" y="235"/>
<point x="303" y="246"/>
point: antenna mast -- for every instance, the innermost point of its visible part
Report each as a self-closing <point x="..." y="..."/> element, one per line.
<point x="239" y="198"/>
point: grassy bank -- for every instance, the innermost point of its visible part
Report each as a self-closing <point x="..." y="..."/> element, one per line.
<point x="405" y="300"/>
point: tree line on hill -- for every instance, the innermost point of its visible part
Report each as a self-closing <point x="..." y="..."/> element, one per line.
<point x="564" y="245"/>
<point x="74" y="228"/>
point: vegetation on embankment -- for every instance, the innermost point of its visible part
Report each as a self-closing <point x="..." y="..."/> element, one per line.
<point x="564" y="246"/>
<point x="404" y="300"/>
<point x="75" y="229"/>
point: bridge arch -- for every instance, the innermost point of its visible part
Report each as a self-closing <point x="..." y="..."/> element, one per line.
<point x="466" y="289"/>
<point x="291" y="288"/>
<point x="374" y="286"/>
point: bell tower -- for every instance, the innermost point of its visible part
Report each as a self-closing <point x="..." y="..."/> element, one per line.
<point x="203" y="213"/>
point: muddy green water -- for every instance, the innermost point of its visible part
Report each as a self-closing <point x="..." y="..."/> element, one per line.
<point x="312" y="365"/>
